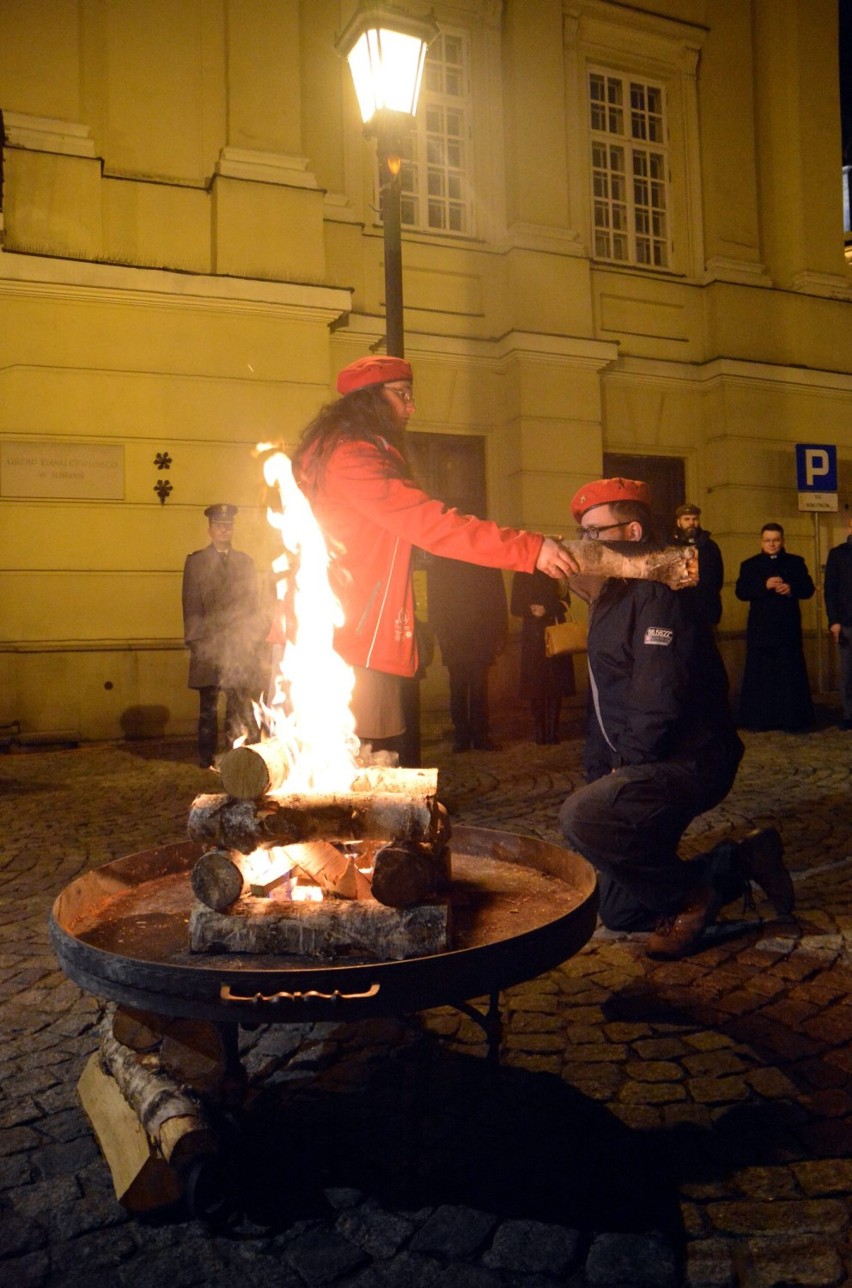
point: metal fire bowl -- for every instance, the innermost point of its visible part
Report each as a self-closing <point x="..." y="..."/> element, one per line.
<point x="520" y="907"/>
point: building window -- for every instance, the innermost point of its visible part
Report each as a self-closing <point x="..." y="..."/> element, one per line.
<point x="630" y="170"/>
<point x="435" y="178"/>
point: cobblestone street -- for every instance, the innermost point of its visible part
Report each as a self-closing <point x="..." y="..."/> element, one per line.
<point x="652" y="1124"/>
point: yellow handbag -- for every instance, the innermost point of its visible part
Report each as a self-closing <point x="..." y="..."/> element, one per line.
<point x="566" y="637"/>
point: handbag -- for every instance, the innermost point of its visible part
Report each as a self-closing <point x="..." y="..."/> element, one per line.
<point x="566" y="637"/>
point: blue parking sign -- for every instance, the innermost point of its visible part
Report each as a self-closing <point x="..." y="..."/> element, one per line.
<point x="816" y="467"/>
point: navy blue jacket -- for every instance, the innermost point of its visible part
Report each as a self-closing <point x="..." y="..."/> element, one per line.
<point x="661" y="685"/>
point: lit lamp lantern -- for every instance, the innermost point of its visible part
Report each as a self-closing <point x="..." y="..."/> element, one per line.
<point x="386" y="51"/>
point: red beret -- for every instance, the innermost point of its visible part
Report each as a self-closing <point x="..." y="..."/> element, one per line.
<point x="607" y="492"/>
<point x="375" y="369"/>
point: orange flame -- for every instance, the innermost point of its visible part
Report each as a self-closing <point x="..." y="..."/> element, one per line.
<point x="309" y="713"/>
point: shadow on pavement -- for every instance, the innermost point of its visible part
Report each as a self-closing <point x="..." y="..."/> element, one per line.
<point x="425" y="1126"/>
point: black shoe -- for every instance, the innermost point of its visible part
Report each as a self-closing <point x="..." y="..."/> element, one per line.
<point x="761" y="857"/>
<point x="485" y="744"/>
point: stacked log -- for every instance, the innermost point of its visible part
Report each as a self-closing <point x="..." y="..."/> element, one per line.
<point x="141" y="1091"/>
<point x="381" y="848"/>
<point x="249" y="825"/>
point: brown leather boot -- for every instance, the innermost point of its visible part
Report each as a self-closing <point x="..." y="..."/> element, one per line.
<point x="678" y="934"/>
<point x="761" y="857"/>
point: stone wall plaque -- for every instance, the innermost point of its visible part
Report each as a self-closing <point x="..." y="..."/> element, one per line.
<point x="71" y="471"/>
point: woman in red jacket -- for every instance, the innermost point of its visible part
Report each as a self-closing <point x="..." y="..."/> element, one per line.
<point x="351" y="466"/>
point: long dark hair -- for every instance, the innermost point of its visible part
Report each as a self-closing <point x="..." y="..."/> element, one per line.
<point x="364" y="416"/>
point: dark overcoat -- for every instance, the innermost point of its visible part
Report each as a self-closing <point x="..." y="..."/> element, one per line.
<point x="467" y="611"/>
<point x="707" y="595"/>
<point x="541" y="676"/>
<point x="223" y="623"/>
<point x="838" y="584"/>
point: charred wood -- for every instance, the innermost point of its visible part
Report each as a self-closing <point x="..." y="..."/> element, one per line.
<point x="407" y="874"/>
<point x="216" y="880"/>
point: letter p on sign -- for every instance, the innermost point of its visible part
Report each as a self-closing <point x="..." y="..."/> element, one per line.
<point x="816" y="467"/>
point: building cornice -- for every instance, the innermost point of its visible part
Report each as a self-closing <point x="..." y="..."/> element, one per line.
<point x="534" y="345"/>
<point x="47" y="134"/>
<point x="68" y="279"/>
<point x="721" y="371"/>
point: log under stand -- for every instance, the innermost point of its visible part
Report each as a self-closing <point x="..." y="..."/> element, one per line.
<point x="145" y="1092"/>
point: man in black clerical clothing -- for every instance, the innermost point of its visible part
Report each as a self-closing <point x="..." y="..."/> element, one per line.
<point x="775" y="691"/>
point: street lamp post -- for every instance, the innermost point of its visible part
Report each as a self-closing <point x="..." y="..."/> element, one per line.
<point x="386" y="51"/>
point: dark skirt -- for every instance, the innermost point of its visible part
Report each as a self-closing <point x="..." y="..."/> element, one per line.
<point x="542" y="676"/>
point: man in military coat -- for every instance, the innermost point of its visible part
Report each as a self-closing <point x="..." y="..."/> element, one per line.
<point x="223" y="629"/>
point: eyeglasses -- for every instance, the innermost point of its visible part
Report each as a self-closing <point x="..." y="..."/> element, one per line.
<point x="405" y="396"/>
<point x="593" y="531"/>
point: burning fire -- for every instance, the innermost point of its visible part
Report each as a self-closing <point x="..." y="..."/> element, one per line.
<point x="274" y="873"/>
<point x="309" y="713"/>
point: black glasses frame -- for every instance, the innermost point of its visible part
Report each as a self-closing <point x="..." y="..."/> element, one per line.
<point x="593" y="531"/>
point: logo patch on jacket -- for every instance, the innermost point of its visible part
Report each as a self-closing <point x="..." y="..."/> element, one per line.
<point x="659" y="635"/>
<point x="402" y="627"/>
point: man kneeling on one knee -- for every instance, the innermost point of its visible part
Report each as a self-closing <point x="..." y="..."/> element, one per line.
<point x="662" y="748"/>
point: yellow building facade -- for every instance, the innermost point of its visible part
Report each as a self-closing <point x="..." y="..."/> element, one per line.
<point x="623" y="237"/>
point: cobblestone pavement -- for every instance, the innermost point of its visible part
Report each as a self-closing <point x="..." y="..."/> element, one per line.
<point x="652" y="1124"/>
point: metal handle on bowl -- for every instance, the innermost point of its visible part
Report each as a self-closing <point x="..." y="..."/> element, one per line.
<point x="226" y="995"/>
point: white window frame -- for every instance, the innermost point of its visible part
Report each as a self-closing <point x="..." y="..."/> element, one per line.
<point x="630" y="169"/>
<point x="437" y="168"/>
<point x="653" y="50"/>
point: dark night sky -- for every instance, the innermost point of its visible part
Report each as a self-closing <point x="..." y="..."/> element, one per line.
<point x="846" y="77"/>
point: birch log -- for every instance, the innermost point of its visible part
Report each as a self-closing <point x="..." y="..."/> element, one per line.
<point x="675" y="566"/>
<point x="345" y="816"/>
<point x="334" y="928"/>
<point x="140" y="1030"/>
<point x="336" y="873"/>
<point x="254" y="769"/>
<point x="261" y="768"/>
<point x="141" y="1177"/>
<point x="171" y="1118"/>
